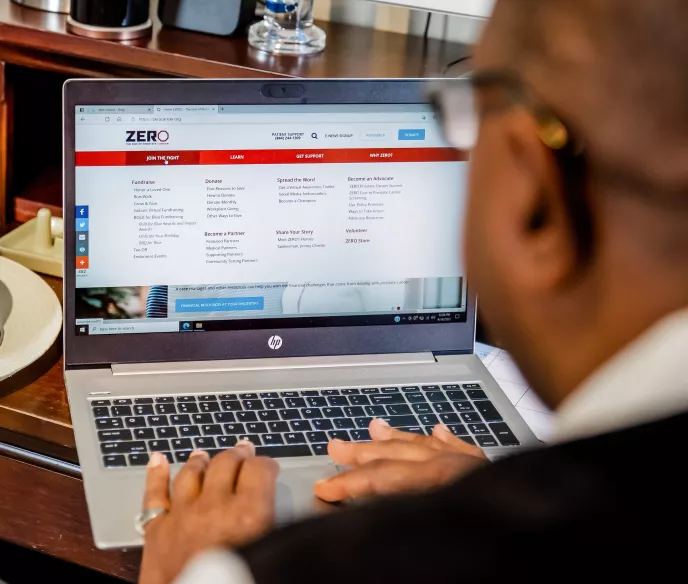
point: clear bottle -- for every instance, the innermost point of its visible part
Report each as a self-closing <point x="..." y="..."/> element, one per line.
<point x="287" y="29"/>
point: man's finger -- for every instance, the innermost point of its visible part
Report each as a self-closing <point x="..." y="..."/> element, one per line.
<point x="381" y="431"/>
<point x="189" y="482"/>
<point x="255" y="494"/>
<point x="359" y="453"/>
<point x="445" y="435"/>
<point x="157" y="492"/>
<point x="221" y="477"/>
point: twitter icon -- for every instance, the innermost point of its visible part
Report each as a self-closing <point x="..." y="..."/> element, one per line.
<point x="82" y="224"/>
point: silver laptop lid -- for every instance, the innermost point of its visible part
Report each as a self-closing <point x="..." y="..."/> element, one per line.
<point x="239" y="219"/>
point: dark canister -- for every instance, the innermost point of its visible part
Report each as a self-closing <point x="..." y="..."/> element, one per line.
<point x="110" y="19"/>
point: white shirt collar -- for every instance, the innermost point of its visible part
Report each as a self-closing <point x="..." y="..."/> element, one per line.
<point x="645" y="382"/>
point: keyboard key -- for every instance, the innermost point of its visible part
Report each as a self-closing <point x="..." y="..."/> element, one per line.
<point x="410" y="389"/>
<point x="322" y="424"/>
<point x="471" y="386"/>
<point x="359" y="400"/>
<point x="456" y="396"/>
<point x="344" y="423"/>
<point x="350" y="392"/>
<point x="143" y="410"/>
<point x="284" y="451"/>
<point x="489" y="412"/>
<point x="389" y="390"/>
<point x="182" y="456"/>
<point x="296" y="402"/>
<point x="169" y="457"/>
<point x="422" y="408"/>
<point x="249" y="396"/>
<point x="431" y="388"/>
<point x="182" y="444"/>
<point x="486" y="441"/>
<point x="101" y="412"/>
<point x="363" y="422"/>
<point x="226" y="441"/>
<point x="223" y="417"/>
<point x="275" y="404"/>
<point x="443" y="407"/>
<point x="208" y="407"/>
<point x="395" y="398"/>
<point x="295" y="438"/>
<point x="138" y="459"/>
<point x="121" y="411"/>
<point x="121" y="402"/>
<point x="256" y="428"/>
<point x="290" y="414"/>
<point x="300" y="426"/>
<point x="269" y="395"/>
<point x="273" y="439"/>
<point x="202" y="418"/>
<point x="228" y="396"/>
<point x="250" y="438"/>
<point x="231" y="406"/>
<point x="159" y="445"/>
<point x="109" y="423"/>
<point x="329" y="392"/>
<point x="401" y="421"/>
<point x="143" y="400"/>
<point x="212" y="430"/>
<point x="144" y="433"/>
<point x="360" y="435"/>
<point x="458" y="430"/>
<point x="164" y="400"/>
<point x="376" y="411"/>
<point x="180" y="419"/>
<point x="413" y="430"/>
<point x="234" y="429"/>
<point x="370" y="390"/>
<point x="398" y="410"/>
<point x="247" y="417"/>
<point x="450" y="419"/>
<point x="416" y="398"/>
<point x="316" y="437"/>
<point x="355" y="412"/>
<point x="122" y="447"/>
<point x="319" y="449"/>
<point x="114" y="435"/>
<point x="114" y="461"/>
<point x="166" y="432"/>
<point x="464" y="406"/>
<point x="252" y="404"/>
<point x="468" y="440"/>
<point x="204" y="443"/>
<point x="453" y="386"/>
<point x="312" y="413"/>
<point x="504" y="435"/>
<point x="138" y="422"/>
<point x="308" y="393"/>
<point x="207" y="398"/>
<point x="476" y="394"/>
<point x="339" y="435"/>
<point x="426" y="420"/>
<point x="188" y="408"/>
<point x="471" y="418"/>
<point x="278" y="427"/>
<point x="268" y="416"/>
<point x="338" y="400"/>
<point x="317" y="402"/>
<point x="100" y="402"/>
<point x="186" y="398"/>
<point x="189" y="431"/>
<point x="333" y="412"/>
<point x="154" y="421"/>
<point x="478" y="429"/>
<point x="436" y="396"/>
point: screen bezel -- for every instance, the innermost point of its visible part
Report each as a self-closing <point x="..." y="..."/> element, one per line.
<point x="302" y="342"/>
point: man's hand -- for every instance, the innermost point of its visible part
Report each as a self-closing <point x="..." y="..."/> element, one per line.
<point x="229" y="501"/>
<point x="397" y="462"/>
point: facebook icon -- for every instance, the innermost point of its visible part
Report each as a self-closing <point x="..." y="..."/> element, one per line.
<point x="82" y="212"/>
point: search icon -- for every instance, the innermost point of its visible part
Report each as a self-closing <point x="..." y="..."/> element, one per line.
<point x="314" y="135"/>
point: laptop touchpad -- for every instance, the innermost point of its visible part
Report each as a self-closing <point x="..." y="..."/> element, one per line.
<point x="295" y="499"/>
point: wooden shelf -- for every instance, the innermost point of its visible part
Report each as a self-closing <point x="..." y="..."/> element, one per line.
<point x="44" y="191"/>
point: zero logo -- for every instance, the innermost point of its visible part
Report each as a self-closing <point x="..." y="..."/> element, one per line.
<point x="275" y="342"/>
<point x="163" y="136"/>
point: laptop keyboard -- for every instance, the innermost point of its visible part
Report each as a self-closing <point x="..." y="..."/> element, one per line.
<point x="288" y="423"/>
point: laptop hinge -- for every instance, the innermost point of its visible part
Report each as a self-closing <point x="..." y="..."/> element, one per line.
<point x="273" y="364"/>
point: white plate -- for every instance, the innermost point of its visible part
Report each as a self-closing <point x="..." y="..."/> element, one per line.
<point x="34" y="321"/>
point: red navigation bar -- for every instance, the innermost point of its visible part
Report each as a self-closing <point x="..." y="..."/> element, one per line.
<point x="229" y="157"/>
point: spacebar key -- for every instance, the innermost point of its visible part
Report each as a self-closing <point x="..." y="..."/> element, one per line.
<point x="400" y="421"/>
<point x="284" y="451"/>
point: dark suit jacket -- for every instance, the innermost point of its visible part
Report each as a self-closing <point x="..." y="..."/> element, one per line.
<point x="613" y="508"/>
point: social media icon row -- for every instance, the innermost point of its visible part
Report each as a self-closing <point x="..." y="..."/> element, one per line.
<point x="82" y="227"/>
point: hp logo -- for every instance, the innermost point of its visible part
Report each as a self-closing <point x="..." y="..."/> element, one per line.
<point x="275" y="342"/>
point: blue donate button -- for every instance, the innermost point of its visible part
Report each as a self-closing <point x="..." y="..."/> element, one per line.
<point x="219" y="304"/>
<point x="411" y="134"/>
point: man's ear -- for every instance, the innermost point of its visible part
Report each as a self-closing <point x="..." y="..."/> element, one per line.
<point x="543" y="238"/>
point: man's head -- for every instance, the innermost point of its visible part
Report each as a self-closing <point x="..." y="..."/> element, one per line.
<point x="575" y="253"/>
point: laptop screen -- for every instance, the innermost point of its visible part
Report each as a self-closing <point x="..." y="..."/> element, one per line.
<point x="216" y="217"/>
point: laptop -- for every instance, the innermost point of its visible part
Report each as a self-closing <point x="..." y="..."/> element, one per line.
<point x="270" y="260"/>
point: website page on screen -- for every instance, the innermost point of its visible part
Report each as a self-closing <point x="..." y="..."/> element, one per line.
<point x="212" y="217"/>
